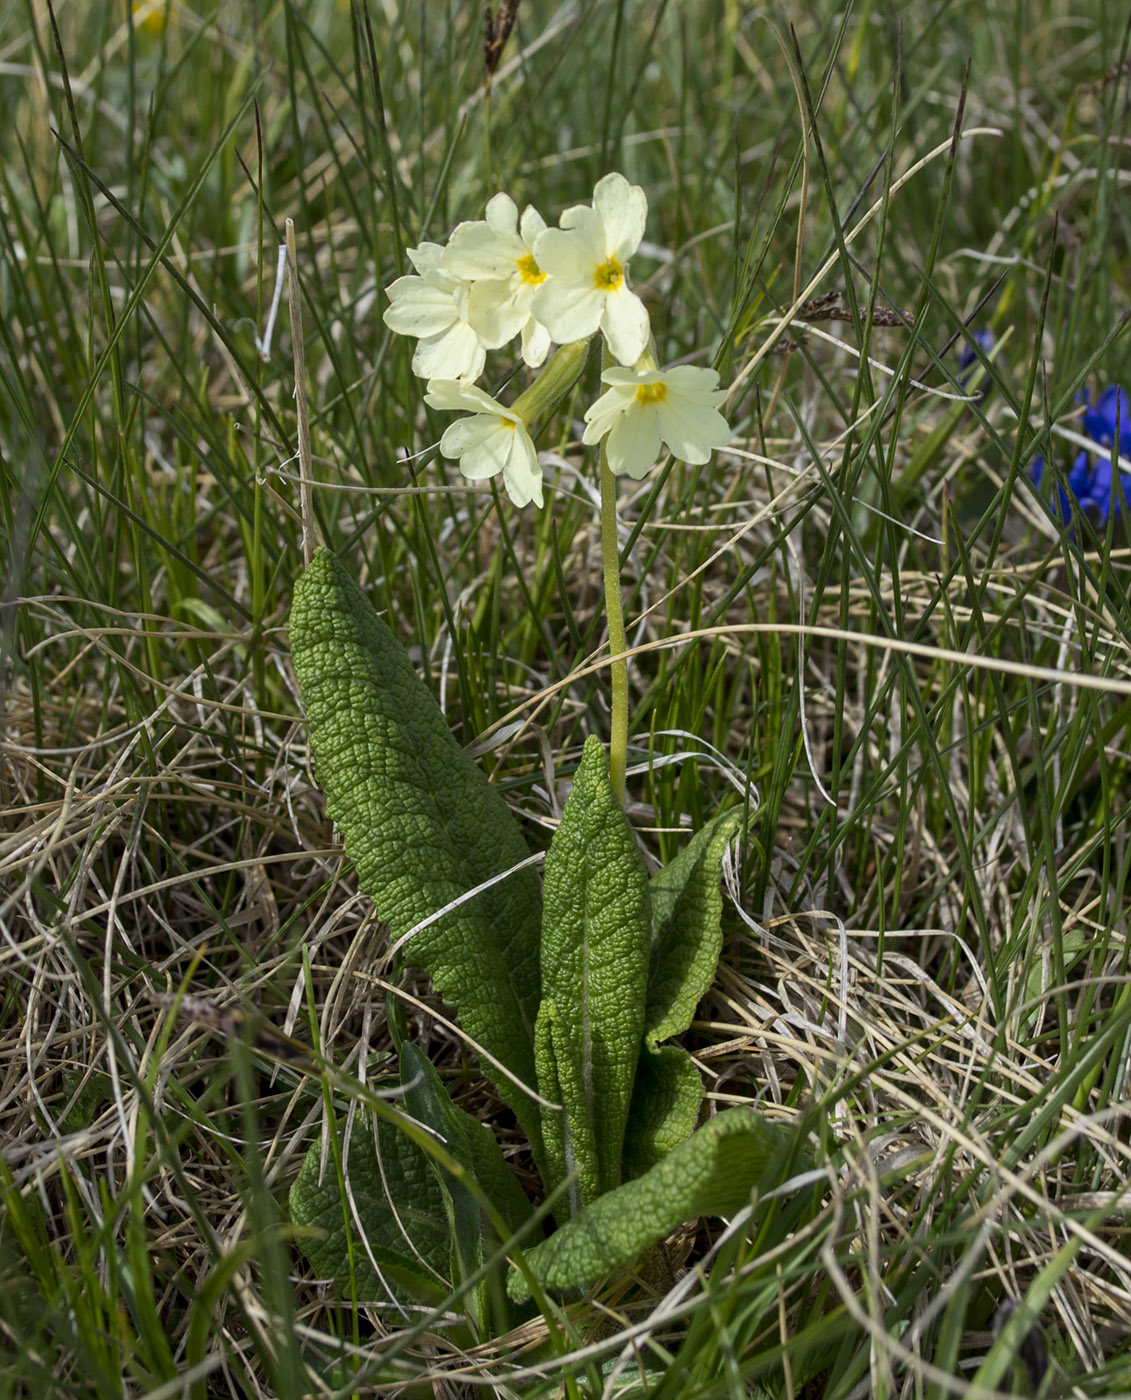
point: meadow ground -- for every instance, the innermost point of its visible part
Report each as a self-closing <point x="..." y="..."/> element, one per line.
<point x="898" y="652"/>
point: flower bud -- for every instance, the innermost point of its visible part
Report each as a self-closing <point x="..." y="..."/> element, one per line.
<point x="554" y="382"/>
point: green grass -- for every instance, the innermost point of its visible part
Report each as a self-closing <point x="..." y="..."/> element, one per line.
<point x="928" y="932"/>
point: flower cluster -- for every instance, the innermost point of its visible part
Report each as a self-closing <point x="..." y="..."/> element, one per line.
<point x="505" y="276"/>
<point x="1092" y="477"/>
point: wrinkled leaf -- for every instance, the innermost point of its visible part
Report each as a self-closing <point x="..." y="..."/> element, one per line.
<point x="420" y="821"/>
<point x="472" y="1144"/>
<point x="666" y="1099"/>
<point x="687" y="906"/>
<point x="711" y="1173"/>
<point x="396" y="1222"/>
<point x="569" y="1138"/>
<point x="498" y="1183"/>
<point x="595" y="937"/>
<point x="554" y="1168"/>
<point x="686" y="942"/>
<point x="427" y="1101"/>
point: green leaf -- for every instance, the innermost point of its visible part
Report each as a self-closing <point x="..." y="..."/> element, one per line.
<point x="686" y="941"/>
<point x="420" y="821"/>
<point x="395" y="1228"/>
<point x="554" y="1169"/>
<point x="711" y="1173"/>
<point x="428" y="1102"/>
<point x="569" y="1139"/>
<point x="595" y="936"/>
<point x="475" y="1147"/>
<point x="498" y="1183"/>
<point x="666" y="1099"/>
<point x="687" y="906"/>
<point x="1074" y="943"/>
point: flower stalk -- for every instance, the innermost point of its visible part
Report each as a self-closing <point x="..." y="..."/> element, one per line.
<point x="618" y="642"/>
<point x="509" y="275"/>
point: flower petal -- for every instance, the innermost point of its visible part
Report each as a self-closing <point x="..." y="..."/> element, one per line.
<point x="623" y="210"/>
<point x="568" y="310"/>
<point x="468" y="434"/>
<point x="455" y="394"/>
<point x="498" y="311"/>
<point x="696" y="384"/>
<point x="502" y="216"/>
<point x="607" y="412"/>
<point x="456" y="354"/>
<point x="481" y="443"/>
<point x="475" y="252"/>
<point x="580" y="216"/>
<point x="1078" y="477"/>
<point x="522" y="475"/>
<point x="536" y="342"/>
<point x="418" y="308"/>
<point x="530" y="226"/>
<point x="625" y="324"/>
<point x="571" y="256"/>
<point x="426" y="258"/>
<point x="692" y="431"/>
<point x="634" y="443"/>
<point x="620" y="375"/>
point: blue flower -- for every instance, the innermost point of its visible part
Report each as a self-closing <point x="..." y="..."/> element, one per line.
<point x="1089" y="486"/>
<point x="968" y="360"/>
<point x="968" y="356"/>
<point x="1113" y="411"/>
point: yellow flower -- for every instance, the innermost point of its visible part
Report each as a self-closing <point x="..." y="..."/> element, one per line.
<point x="586" y="266"/>
<point x="496" y="255"/>
<point x="433" y="308"/>
<point x="644" y="408"/>
<point x="492" y="439"/>
<point x="150" y="16"/>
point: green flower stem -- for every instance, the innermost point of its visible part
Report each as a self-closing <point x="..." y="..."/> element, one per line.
<point x="618" y="670"/>
<point x="552" y="384"/>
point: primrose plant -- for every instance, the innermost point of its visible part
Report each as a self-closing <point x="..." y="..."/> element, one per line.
<point x="571" y="990"/>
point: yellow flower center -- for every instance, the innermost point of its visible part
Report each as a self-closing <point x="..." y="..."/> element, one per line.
<point x="150" y="17"/>
<point x="651" y="393"/>
<point x="609" y="276"/>
<point x="529" y="270"/>
<point x="508" y="423"/>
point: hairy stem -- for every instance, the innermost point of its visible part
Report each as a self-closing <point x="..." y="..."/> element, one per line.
<point x="618" y="671"/>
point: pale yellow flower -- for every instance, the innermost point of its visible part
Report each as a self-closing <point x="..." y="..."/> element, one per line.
<point x="496" y="256"/>
<point x="433" y="308"/>
<point x="645" y="408"/>
<point x="586" y="266"/>
<point x="492" y="439"/>
<point x="150" y="16"/>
